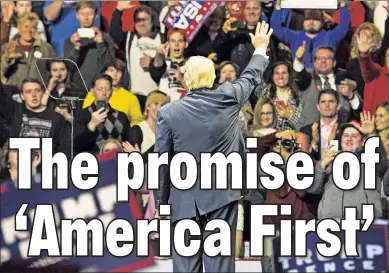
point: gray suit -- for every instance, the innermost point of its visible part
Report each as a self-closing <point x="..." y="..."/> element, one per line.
<point x="205" y="121"/>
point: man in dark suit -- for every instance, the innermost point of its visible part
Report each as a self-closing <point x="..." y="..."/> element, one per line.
<point x="327" y="127"/>
<point x="207" y="121"/>
<point x="321" y="77"/>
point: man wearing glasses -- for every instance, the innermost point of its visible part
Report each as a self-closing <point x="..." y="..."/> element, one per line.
<point x="324" y="77"/>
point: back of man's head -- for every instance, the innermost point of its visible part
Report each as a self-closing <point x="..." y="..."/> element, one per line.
<point x="200" y="73"/>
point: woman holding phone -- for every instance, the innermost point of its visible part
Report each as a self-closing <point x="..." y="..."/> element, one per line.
<point x="283" y="92"/>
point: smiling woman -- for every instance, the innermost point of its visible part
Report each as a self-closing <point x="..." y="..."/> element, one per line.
<point x="283" y="92"/>
<point x="18" y="57"/>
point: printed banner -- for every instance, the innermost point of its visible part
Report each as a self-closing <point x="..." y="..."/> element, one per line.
<point x="373" y="250"/>
<point x="309" y="4"/>
<point x="100" y="202"/>
<point x="189" y="16"/>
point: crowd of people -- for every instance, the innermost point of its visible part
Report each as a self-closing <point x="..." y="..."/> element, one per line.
<point x="327" y="79"/>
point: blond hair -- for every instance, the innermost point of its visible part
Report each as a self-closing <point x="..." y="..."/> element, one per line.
<point x="200" y="73"/>
<point x="257" y="113"/>
<point x="29" y="16"/>
<point x="375" y="31"/>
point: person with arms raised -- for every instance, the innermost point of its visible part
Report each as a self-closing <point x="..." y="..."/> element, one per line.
<point x="207" y="135"/>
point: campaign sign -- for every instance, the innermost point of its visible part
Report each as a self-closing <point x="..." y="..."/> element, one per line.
<point x="189" y="16"/>
<point x="100" y="203"/>
<point x="373" y="250"/>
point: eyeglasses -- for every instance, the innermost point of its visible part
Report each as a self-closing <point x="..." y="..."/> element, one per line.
<point x="323" y="58"/>
<point x="139" y="20"/>
<point x="266" y="113"/>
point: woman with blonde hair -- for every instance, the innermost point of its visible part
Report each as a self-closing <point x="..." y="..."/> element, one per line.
<point x="377" y="52"/>
<point x="18" y="56"/>
<point x="111" y="145"/>
<point x="265" y="118"/>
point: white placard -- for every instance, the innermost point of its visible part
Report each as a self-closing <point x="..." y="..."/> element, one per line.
<point x="309" y="4"/>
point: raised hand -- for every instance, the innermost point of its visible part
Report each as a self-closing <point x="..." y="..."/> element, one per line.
<point x="346" y="89"/>
<point x="287" y="134"/>
<point x="367" y="123"/>
<point x="227" y="27"/>
<point x="98" y="35"/>
<point x="145" y="61"/>
<point x="328" y="157"/>
<point x="122" y="5"/>
<point x="300" y="51"/>
<point x="261" y="39"/>
<point x="7" y="11"/>
<point x="284" y="111"/>
<point x="11" y="51"/>
<point x="127" y="147"/>
<point x="364" y="46"/>
<point x="97" y="118"/>
<point x="76" y="40"/>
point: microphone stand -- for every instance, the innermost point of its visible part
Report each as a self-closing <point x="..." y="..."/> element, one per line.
<point x="71" y="101"/>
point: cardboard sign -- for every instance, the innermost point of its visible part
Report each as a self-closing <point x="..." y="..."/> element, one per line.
<point x="189" y="16"/>
<point x="100" y="202"/>
<point x="373" y="250"/>
<point x="309" y="4"/>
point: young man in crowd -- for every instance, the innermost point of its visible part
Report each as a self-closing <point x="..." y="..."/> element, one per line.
<point x="36" y="120"/>
<point x="121" y="99"/>
<point x="99" y="121"/>
<point x="166" y="68"/>
<point x="322" y="131"/>
<point x="61" y="16"/>
<point x="353" y="136"/>
<point x="90" y="51"/>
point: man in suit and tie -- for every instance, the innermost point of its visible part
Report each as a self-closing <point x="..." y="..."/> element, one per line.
<point x="324" y="77"/>
<point x="207" y="121"/>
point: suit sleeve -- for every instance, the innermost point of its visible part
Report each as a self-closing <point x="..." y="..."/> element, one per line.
<point x="163" y="144"/>
<point x="242" y="88"/>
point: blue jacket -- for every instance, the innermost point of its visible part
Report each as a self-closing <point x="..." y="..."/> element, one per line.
<point x="66" y="24"/>
<point x="294" y="39"/>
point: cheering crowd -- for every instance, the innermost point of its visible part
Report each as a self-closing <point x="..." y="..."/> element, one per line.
<point x="328" y="79"/>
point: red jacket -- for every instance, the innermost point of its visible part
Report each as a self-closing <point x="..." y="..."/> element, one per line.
<point x="377" y="83"/>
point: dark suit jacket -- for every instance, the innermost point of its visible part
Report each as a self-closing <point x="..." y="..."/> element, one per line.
<point x="310" y="96"/>
<point x="204" y="121"/>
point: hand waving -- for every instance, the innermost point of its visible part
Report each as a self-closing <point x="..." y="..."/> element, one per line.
<point x="364" y="46"/>
<point x="262" y="35"/>
<point x="367" y="123"/>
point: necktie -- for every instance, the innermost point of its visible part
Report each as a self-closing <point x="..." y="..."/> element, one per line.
<point x="327" y="84"/>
